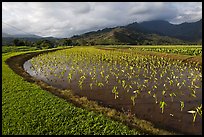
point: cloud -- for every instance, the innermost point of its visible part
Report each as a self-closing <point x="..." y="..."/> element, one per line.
<point x="65" y="19"/>
<point x="187" y="12"/>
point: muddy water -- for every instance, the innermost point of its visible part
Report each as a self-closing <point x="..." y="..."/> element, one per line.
<point x="145" y="106"/>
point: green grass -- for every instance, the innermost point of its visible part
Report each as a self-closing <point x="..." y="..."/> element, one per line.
<point x="7" y="49"/>
<point x="27" y="109"/>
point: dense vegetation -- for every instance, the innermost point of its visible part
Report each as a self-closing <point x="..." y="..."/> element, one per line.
<point x="7" y="49"/>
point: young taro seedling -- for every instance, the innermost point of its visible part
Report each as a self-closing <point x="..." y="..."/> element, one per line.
<point x="172" y="95"/>
<point x="114" y="90"/>
<point x="181" y="105"/>
<point x="162" y="105"/>
<point x="155" y="97"/>
<point x="194" y="113"/>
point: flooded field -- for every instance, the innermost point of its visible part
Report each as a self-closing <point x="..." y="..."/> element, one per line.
<point x="166" y="92"/>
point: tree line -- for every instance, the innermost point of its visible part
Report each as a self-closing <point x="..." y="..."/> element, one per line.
<point x="41" y="43"/>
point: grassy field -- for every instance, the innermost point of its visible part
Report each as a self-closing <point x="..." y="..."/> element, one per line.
<point x="7" y="49"/>
<point x="29" y="110"/>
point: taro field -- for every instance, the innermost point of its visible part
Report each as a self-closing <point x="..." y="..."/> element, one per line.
<point x="164" y="91"/>
<point x="185" y="50"/>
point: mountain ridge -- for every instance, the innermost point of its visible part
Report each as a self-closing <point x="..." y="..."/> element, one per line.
<point x="4" y="34"/>
<point x="148" y="32"/>
<point x="144" y="33"/>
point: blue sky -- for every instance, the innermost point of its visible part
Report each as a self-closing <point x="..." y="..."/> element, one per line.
<point x="65" y="19"/>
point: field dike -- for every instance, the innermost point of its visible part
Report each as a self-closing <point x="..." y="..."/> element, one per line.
<point x="16" y="64"/>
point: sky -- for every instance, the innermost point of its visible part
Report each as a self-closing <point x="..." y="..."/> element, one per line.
<point x="65" y="19"/>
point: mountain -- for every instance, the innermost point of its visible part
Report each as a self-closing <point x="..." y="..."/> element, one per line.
<point x="7" y="39"/>
<point x="6" y="34"/>
<point x="20" y="35"/>
<point x="121" y="35"/>
<point x="148" y="32"/>
<point x="186" y="31"/>
<point x="158" y="26"/>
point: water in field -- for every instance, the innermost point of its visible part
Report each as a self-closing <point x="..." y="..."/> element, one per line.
<point x="148" y="84"/>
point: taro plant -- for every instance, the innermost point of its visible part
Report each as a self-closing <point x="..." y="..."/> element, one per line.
<point x="193" y="94"/>
<point x="106" y="78"/>
<point x="133" y="97"/>
<point x="69" y="77"/>
<point x="181" y="105"/>
<point x="100" y="84"/>
<point x="130" y="87"/>
<point x="123" y="84"/>
<point x="102" y="75"/>
<point x="162" y="105"/>
<point x="194" y="113"/>
<point x="155" y="97"/>
<point x="199" y="110"/>
<point x="172" y="95"/>
<point x="114" y="90"/>
<point x="91" y="85"/>
<point x="163" y="92"/>
<point x="80" y="84"/>
<point x="81" y="81"/>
